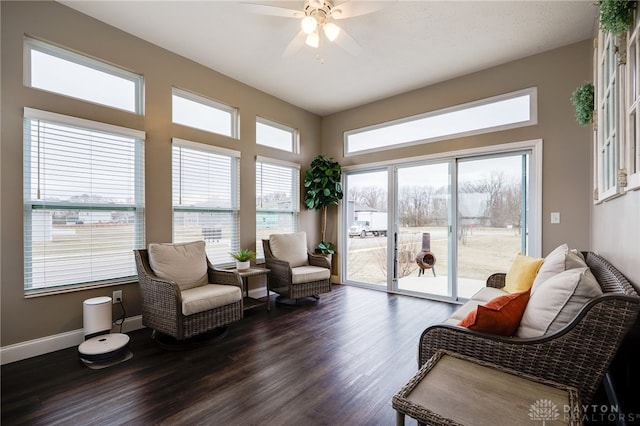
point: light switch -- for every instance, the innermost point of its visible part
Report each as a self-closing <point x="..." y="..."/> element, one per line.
<point x="555" y="217"/>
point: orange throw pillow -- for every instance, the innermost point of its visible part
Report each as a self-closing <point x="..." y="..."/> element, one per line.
<point x="500" y="315"/>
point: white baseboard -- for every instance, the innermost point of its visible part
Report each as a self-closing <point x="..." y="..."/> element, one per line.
<point x="44" y="345"/>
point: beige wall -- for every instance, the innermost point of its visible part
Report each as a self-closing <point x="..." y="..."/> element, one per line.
<point x="26" y="319"/>
<point x="566" y="163"/>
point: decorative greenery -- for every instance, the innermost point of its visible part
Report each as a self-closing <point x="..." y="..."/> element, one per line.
<point x="243" y="255"/>
<point x="616" y="16"/>
<point x="325" y="247"/>
<point x="323" y="188"/>
<point x="582" y="99"/>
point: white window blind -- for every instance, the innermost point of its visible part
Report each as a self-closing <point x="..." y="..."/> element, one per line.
<point x="206" y="195"/>
<point x="277" y="199"/>
<point x="83" y="201"/>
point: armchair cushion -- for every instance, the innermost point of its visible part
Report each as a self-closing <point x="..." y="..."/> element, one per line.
<point x="185" y="264"/>
<point x="207" y="297"/>
<point x="306" y="274"/>
<point x="557" y="301"/>
<point x="290" y="247"/>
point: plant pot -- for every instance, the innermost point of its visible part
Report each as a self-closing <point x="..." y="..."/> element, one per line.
<point x="243" y="266"/>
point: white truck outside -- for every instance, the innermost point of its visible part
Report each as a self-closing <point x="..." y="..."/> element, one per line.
<point x="369" y="223"/>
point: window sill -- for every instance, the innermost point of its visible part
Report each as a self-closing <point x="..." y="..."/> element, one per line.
<point x="30" y="294"/>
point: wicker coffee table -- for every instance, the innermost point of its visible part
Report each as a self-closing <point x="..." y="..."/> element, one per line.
<point x="452" y="389"/>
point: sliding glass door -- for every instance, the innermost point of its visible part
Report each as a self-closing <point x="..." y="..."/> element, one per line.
<point x="439" y="228"/>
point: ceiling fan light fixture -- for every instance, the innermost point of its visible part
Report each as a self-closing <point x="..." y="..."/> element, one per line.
<point x="308" y="24"/>
<point x="313" y="40"/>
<point x="331" y="30"/>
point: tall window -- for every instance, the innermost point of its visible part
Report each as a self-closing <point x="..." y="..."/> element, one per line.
<point x="206" y="194"/>
<point x="276" y="135"/>
<point x="83" y="201"/>
<point x="201" y="113"/>
<point x="277" y="199"/>
<point x="61" y="71"/>
<point x="607" y="134"/>
<point x="632" y="145"/>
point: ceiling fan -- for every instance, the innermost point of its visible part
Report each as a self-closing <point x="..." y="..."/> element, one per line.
<point x="317" y="22"/>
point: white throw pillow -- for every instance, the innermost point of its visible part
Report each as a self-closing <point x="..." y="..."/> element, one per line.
<point x="290" y="247"/>
<point x="185" y="264"/>
<point x="557" y="301"/>
<point x="559" y="260"/>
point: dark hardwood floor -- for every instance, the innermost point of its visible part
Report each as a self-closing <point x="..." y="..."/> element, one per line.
<point x="337" y="362"/>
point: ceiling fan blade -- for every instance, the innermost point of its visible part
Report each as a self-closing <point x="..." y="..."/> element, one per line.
<point x="350" y="9"/>
<point x="264" y="9"/>
<point x="295" y="45"/>
<point x="348" y="43"/>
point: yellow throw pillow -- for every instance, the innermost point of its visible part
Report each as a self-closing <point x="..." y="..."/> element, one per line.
<point x="522" y="273"/>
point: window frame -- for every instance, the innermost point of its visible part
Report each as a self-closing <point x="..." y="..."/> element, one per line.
<point x="29" y="204"/>
<point x="234" y="210"/>
<point x="31" y="44"/>
<point x="208" y="102"/>
<point x="532" y="92"/>
<point x="295" y="134"/>
<point x="631" y="145"/>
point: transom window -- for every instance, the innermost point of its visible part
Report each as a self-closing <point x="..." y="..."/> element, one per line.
<point x="67" y="73"/>
<point x="276" y="135"/>
<point x="277" y="199"/>
<point x="511" y="110"/>
<point x="206" y="198"/>
<point x="83" y="202"/>
<point x="201" y="113"/>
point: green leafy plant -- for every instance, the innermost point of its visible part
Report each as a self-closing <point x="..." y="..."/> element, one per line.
<point x="325" y="247"/>
<point x="243" y="255"/>
<point x="583" y="103"/>
<point x="616" y="16"/>
<point x="323" y="185"/>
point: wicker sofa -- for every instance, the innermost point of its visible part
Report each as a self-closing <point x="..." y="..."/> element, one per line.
<point x="577" y="353"/>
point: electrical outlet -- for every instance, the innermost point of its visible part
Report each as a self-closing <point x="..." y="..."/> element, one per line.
<point x="117" y="296"/>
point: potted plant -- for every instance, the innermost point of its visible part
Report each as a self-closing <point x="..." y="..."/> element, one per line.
<point x="243" y="258"/>
<point x="582" y="99"/>
<point x="323" y="185"/>
<point x="616" y="16"/>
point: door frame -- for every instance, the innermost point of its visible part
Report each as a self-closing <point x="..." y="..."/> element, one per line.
<point x="535" y="206"/>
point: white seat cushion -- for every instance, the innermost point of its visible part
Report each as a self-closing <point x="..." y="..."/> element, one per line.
<point x="185" y="263"/>
<point x="207" y="297"/>
<point x="306" y="274"/>
<point x="290" y="247"/>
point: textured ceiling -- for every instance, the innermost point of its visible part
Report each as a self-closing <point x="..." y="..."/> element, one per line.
<point x="406" y="45"/>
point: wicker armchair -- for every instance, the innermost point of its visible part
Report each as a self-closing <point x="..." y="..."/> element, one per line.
<point x="578" y="354"/>
<point x="295" y="273"/>
<point x="164" y="302"/>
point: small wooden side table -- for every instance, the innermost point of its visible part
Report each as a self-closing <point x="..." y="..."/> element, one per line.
<point x="451" y="389"/>
<point x="254" y="271"/>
